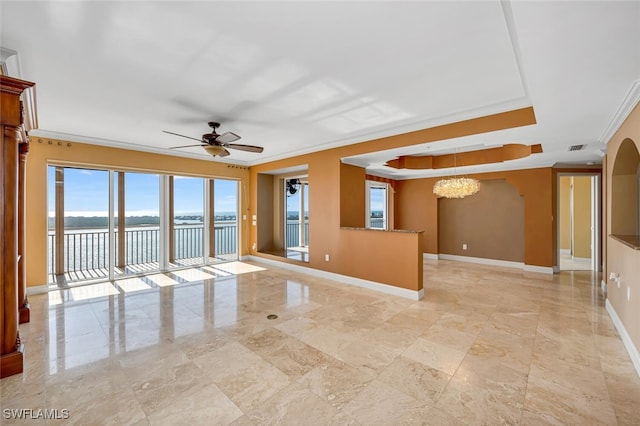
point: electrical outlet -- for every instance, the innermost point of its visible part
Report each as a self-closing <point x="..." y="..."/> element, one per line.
<point x="464" y="247"/>
<point x="254" y="246"/>
<point x="326" y="257"/>
<point x="628" y="294"/>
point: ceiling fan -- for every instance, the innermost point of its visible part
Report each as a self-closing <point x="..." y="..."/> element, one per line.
<point x="292" y="186"/>
<point x="217" y="144"/>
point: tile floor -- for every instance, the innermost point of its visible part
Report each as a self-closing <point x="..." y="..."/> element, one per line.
<point x="487" y="345"/>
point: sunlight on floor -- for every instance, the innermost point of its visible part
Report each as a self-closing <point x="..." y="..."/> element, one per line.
<point x="93" y="291"/>
<point x="162" y="280"/>
<point x="237" y="268"/>
<point x="132" y="284"/>
<point x="58" y="296"/>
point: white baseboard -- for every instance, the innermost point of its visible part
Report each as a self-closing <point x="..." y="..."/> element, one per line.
<point x="358" y="282"/>
<point x="581" y="259"/>
<point x="565" y="251"/>
<point x="39" y="289"/>
<point x="626" y="339"/>
<point x="430" y="256"/>
<point x="482" y="261"/>
<point x="540" y="269"/>
<point x="496" y="262"/>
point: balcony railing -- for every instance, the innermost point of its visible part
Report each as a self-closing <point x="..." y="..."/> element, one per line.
<point x="293" y="233"/>
<point x="87" y="250"/>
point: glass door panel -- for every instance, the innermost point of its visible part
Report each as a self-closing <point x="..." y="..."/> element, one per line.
<point x="225" y="221"/>
<point x="297" y="219"/>
<point x="186" y="222"/>
<point x="137" y="201"/>
<point x="78" y="224"/>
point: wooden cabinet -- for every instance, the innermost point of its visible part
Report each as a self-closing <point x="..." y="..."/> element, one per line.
<point x="13" y="300"/>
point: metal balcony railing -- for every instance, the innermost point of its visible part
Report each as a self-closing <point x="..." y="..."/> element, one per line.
<point x="86" y="250"/>
<point x="293" y="233"/>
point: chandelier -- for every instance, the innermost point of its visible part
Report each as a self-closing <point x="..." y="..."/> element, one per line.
<point x="456" y="187"/>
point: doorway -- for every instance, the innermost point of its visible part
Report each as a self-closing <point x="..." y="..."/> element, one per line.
<point x="579" y="222"/>
<point x="296" y="227"/>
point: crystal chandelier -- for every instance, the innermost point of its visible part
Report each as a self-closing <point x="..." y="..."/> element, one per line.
<point x="456" y="187"/>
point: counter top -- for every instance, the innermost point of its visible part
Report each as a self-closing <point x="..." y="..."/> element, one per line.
<point x="406" y="231"/>
<point x="632" y="241"/>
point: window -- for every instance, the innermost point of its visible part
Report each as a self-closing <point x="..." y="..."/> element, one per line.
<point x="377" y="205"/>
<point x="106" y="224"/>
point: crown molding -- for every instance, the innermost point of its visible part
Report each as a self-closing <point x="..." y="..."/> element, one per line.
<point x="629" y="102"/>
<point x="46" y="134"/>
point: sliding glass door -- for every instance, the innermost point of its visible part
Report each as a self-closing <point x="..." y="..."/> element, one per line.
<point x="186" y="243"/>
<point x="224" y="242"/>
<point x="296" y="228"/>
<point x="155" y="223"/>
<point x="137" y="222"/>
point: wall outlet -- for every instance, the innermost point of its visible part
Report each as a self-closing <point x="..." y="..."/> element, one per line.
<point x="628" y="294"/>
<point x="464" y="247"/>
<point x="326" y="257"/>
<point x="244" y="217"/>
<point x="254" y="246"/>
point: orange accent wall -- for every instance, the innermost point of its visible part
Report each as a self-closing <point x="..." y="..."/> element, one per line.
<point x="361" y="253"/>
<point x="417" y="208"/>
<point x="352" y="196"/>
<point x="481" y="156"/>
<point x="43" y="153"/>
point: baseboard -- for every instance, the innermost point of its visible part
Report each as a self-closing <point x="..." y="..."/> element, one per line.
<point x="565" y="251"/>
<point x="496" y="262"/>
<point x="540" y="269"/>
<point x="626" y="339"/>
<point x="482" y="261"/>
<point x="358" y="282"/>
<point x="581" y="259"/>
<point x="38" y="289"/>
<point x="430" y="256"/>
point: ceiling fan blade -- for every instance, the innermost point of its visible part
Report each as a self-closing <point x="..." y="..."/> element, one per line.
<point x="187" y="146"/>
<point x="182" y="136"/>
<point x="227" y="137"/>
<point x="249" y="148"/>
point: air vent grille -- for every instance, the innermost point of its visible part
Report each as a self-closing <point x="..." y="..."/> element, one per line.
<point x="577" y="147"/>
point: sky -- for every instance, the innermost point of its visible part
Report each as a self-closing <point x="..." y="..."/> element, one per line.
<point x="87" y="193"/>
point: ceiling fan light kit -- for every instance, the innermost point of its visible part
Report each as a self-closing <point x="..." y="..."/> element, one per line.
<point x="217" y="144"/>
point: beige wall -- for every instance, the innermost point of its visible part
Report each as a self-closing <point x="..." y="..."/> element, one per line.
<point x="620" y="258"/>
<point x="490" y="223"/>
<point x="42" y="153"/>
<point x="565" y="212"/>
<point x="581" y="216"/>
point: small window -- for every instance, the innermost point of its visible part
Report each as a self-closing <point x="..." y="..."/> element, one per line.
<point x="377" y="205"/>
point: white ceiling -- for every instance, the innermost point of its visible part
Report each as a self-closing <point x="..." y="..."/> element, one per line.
<point x="306" y="76"/>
